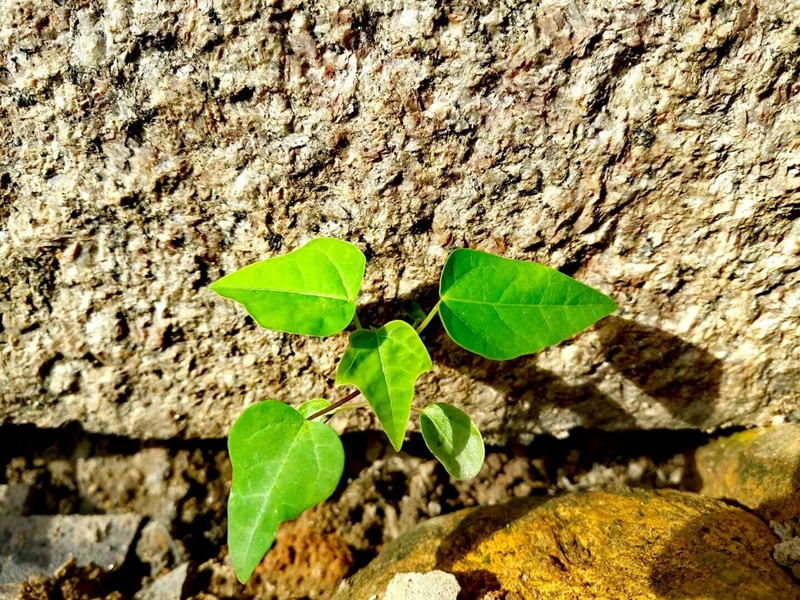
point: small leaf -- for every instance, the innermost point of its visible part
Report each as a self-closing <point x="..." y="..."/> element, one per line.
<point x="502" y="308"/>
<point x="413" y="311"/>
<point x="282" y="465"/>
<point x="311" y="290"/>
<point x="453" y="438"/>
<point x="384" y="365"/>
<point x="309" y="407"/>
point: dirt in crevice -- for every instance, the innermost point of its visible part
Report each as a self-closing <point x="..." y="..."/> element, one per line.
<point x="382" y="495"/>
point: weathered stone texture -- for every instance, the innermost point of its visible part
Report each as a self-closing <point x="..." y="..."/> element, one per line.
<point x="39" y="545"/>
<point x="653" y="545"/>
<point x="758" y="469"/>
<point x="651" y="149"/>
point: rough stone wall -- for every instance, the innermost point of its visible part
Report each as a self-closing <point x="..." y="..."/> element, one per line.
<point x="649" y="148"/>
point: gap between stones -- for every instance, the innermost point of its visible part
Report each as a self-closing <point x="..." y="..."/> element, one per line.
<point x="382" y="493"/>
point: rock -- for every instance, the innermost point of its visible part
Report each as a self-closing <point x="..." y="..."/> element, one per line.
<point x="70" y="581"/>
<point x="626" y="544"/>
<point x="167" y="587"/>
<point x="435" y="585"/>
<point x="155" y="547"/>
<point x="149" y="149"/>
<point x="787" y="553"/>
<point x="144" y="483"/>
<point x="305" y="560"/>
<point x="10" y="591"/>
<point x="759" y="469"/>
<point x="39" y="545"/>
<point x="222" y="580"/>
<point x="13" y="499"/>
<point x="784" y="531"/>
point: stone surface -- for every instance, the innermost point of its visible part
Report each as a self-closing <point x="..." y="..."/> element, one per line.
<point x="759" y="469"/>
<point x="39" y="545"/>
<point x="435" y="585"/>
<point x="148" y="147"/>
<point x="304" y="562"/>
<point x="167" y="587"/>
<point x="71" y="582"/>
<point x="9" y="591"/>
<point x="146" y="483"/>
<point x="13" y="499"/>
<point x="787" y="553"/>
<point x="627" y="544"/>
<point x="156" y="548"/>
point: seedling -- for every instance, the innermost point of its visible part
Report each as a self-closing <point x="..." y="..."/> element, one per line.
<point x="286" y="460"/>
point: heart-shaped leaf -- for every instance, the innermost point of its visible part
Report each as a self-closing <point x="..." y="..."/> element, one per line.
<point x="384" y="365"/>
<point x="502" y="308"/>
<point x="453" y="438"/>
<point x="282" y="465"/>
<point x="311" y="290"/>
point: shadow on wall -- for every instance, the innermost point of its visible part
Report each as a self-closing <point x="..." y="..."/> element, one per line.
<point x="529" y="390"/>
<point x="681" y="376"/>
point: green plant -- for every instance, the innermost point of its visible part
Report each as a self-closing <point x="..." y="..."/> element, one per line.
<point x="286" y="460"/>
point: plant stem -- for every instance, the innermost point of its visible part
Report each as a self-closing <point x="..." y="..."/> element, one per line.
<point x="428" y="318"/>
<point x="352" y="407"/>
<point x="334" y="406"/>
<point x="356" y="321"/>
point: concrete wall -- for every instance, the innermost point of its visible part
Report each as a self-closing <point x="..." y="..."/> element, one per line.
<point x="650" y="149"/>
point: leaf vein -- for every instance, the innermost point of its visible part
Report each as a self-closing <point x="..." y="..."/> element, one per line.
<point x="339" y="273"/>
<point x="523" y="305"/>
<point x="264" y="505"/>
<point x="279" y="291"/>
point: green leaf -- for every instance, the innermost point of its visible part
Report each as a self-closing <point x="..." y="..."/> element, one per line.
<point x="282" y="465"/>
<point x="453" y="438"/>
<point x="502" y="308"/>
<point x="311" y="290"/>
<point x="384" y="365"/>
<point x="309" y="407"/>
<point x="413" y="311"/>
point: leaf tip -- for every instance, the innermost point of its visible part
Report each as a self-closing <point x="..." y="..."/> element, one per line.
<point x="243" y="564"/>
<point x="396" y="440"/>
<point x="217" y="286"/>
<point x="242" y="578"/>
<point x="610" y="304"/>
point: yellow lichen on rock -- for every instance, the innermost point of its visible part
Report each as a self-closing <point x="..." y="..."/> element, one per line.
<point x="758" y="468"/>
<point x="630" y="544"/>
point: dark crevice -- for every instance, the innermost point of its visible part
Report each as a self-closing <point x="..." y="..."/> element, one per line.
<point x="243" y="95"/>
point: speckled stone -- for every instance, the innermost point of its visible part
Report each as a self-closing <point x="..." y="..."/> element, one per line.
<point x="167" y="587"/>
<point x="435" y="585"/>
<point x="147" y="147"/>
<point x="649" y="545"/>
<point x="13" y="499"/>
<point x="38" y="545"/>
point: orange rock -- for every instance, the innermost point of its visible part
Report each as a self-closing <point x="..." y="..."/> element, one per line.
<point x="759" y="469"/>
<point x="304" y="562"/>
<point x="629" y="544"/>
